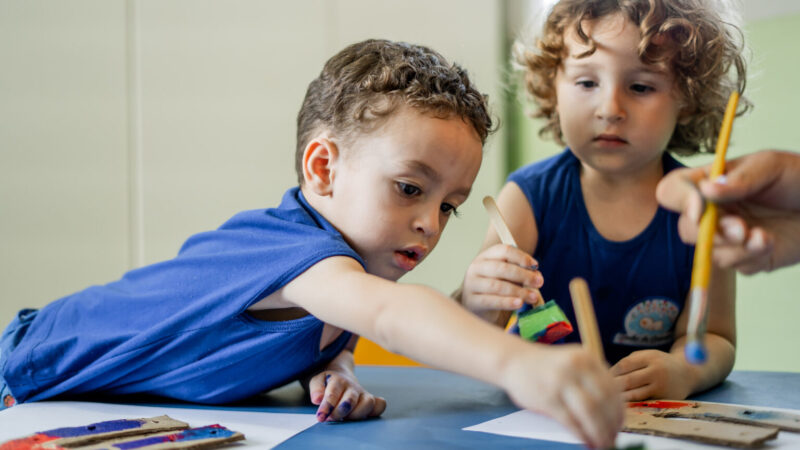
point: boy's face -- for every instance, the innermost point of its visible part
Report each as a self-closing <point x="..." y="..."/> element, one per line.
<point x="617" y="113"/>
<point x="395" y="188"/>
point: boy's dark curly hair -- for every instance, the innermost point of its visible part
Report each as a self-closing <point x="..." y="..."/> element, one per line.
<point x="687" y="36"/>
<point x="365" y="83"/>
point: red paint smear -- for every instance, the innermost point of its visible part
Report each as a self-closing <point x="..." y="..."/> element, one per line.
<point x="660" y="404"/>
<point x="555" y="331"/>
<point x="30" y="442"/>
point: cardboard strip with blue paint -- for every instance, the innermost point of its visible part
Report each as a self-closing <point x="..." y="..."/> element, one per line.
<point x="720" y="412"/>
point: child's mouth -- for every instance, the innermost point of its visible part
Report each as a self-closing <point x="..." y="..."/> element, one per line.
<point x="407" y="259"/>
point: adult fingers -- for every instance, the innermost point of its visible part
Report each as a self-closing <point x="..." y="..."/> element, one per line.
<point x="677" y="191"/>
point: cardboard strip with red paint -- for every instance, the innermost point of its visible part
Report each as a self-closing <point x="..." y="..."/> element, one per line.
<point x="720" y="412"/>
<point x="717" y="433"/>
<point x="95" y="432"/>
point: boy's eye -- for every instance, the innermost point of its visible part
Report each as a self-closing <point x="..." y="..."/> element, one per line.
<point x="586" y="84"/>
<point x="448" y="209"/>
<point x="409" y="190"/>
<point x="641" y="88"/>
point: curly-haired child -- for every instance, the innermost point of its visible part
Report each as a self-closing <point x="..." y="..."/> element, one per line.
<point x="623" y="84"/>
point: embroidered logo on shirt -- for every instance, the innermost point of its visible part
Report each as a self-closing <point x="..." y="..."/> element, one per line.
<point x="649" y="323"/>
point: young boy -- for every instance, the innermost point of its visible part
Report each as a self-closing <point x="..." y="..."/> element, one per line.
<point x="622" y="85"/>
<point x="390" y="141"/>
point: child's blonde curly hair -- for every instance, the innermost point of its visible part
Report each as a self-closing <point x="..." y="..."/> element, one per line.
<point x="687" y="36"/>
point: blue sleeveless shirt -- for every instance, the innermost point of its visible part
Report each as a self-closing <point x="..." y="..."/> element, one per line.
<point x="638" y="286"/>
<point x="179" y="328"/>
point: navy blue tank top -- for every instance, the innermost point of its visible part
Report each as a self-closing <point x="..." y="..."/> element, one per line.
<point x="638" y="286"/>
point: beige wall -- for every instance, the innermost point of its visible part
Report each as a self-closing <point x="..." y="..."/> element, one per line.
<point x="126" y="126"/>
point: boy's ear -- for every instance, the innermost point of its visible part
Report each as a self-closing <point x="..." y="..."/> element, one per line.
<point x="319" y="161"/>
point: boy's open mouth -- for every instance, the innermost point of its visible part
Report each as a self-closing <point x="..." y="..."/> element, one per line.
<point x="408" y="258"/>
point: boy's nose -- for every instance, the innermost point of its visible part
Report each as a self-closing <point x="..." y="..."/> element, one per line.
<point x="611" y="106"/>
<point x="427" y="222"/>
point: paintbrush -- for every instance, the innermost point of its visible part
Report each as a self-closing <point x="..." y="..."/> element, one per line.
<point x="584" y="313"/>
<point x="695" y="351"/>
<point x="545" y="323"/>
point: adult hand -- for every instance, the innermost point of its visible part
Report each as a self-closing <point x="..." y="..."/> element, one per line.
<point x="759" y="201"/>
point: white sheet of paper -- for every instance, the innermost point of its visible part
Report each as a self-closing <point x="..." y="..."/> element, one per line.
<point x="526" y="424"/>
<point x="261" y="429"/>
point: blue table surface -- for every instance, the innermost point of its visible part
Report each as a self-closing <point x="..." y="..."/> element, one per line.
<point x="428" y="408"/>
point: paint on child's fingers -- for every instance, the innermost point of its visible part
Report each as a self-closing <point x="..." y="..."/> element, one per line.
<point x="344" y="408"/>
<point x="324" y="411"/>
<point x="327" y="377"/>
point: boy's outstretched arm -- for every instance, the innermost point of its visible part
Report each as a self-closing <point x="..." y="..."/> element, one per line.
<point x="655" y="374"/>
<point x="566" y="383"/>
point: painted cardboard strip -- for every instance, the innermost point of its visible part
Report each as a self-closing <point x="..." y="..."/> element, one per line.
<point x="717" y="433"/>
<point x="720" y="412"/>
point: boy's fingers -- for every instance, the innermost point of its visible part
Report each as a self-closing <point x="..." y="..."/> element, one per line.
<point x="562" y="414"/>
<point x="587" y="415"/>
<point x="362" y="409"/>
<point x="379" y="407"/>
<point x="347" y="403"/>
<point x="316" y="387"/>
<point x="333" y="393"/>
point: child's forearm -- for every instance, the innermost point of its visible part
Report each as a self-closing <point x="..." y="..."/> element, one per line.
<point x="721" y="356"/>
<point x="424" y="324"/>
<point x="497" y="317"/>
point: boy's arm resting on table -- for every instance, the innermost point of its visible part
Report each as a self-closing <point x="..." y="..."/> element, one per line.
<point x="419" y="322"/>
<point x="499" y="281"/>
<point x="339" y="394"/>
<point x="655" y="374"/>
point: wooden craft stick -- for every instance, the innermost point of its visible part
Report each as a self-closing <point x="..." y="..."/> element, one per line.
<point x="587" y="321"/>
<point x="497" y="221"/>
<point x="95" y="432"/>
<point x="717" y="433"/>
<point x="701" y="268"/>
<point x="720" y="412"/>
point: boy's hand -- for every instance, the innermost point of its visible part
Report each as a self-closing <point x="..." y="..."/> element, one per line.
<point x="501" y="278"/>
<point x="652" y="374"/>
<point x="572" y="386"/>
<point x="340" y="397"/>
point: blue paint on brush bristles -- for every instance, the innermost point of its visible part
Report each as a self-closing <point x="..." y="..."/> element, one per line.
<point x="695" y="352"/>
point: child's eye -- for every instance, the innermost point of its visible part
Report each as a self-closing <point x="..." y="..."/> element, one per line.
<point x="641" y="88"/>
<point x="409" y="190"/>
<point x="586" y="84"/>
<point x="448" y="209"/>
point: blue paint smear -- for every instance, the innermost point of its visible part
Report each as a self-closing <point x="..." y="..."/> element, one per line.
<point x="760" y="415"/>
<point x="95" y="428"/>
<point x="192" y="434"/>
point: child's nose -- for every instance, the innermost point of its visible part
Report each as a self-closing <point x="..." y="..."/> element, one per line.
<point x="611" y="105"/>
<point x="427" y="221"/>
